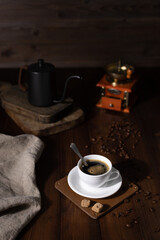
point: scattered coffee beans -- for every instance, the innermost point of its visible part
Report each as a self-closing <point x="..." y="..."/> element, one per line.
<point x="121" y="139"/>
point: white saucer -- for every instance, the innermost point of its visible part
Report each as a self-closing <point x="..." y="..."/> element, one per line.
<point x="106" y="190"/>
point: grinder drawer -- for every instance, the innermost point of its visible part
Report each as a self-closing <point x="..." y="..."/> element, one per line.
<point x="111" y="103"/>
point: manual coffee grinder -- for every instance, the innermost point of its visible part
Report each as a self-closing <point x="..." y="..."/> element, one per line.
<point x="117" y="87"/>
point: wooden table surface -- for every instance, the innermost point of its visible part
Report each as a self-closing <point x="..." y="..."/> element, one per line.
<point x="101" y="133"/>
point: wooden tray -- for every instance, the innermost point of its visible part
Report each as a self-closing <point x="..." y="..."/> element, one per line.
<point x="109" y="203"/>
<point x="16" y="100"/>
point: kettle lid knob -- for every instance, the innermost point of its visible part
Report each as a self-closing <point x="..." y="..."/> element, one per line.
<point x="40" y="63"/>
<point x="41" y="66"/>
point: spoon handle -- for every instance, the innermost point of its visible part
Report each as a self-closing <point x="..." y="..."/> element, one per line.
<point x="75" y="149"/>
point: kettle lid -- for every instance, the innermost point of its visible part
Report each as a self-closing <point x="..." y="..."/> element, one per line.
<point x="41" y="66"/>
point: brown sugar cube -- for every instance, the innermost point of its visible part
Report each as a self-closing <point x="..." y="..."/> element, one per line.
<point x="97" y="207"/>
<point x="85" y="203"/>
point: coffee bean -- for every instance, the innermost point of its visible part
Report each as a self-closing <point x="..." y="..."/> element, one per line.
<point x="112" y="214"/>
<point x="148" y="197"/>
<point x="86" y="146"/>
<point x="157" y="229"/>
<point x="148" y="177"/>
<point x="100" y="138"/>
<point x="128" y="225"/>
<point x="121" y="214"/>
<point x="135" y="221"/>
<point x="128" y="211"/>
<point x="147" y="193"/>
<point x="120" y="154"/>
<point x="151" y="209"/>
<point x="126" y="156"/>
<point x="154" y="201"/>
<point x="103" y="146"/>
<point x="93" y="139"/>
<point x="136" y="141"/>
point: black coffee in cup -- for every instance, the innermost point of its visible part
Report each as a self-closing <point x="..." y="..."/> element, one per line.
<point x="95" y="167"/>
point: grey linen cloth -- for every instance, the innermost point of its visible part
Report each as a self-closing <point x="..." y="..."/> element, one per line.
<point x="19" y="196"/>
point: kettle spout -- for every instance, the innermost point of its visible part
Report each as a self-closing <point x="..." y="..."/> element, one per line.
<point x="65" y="88"/>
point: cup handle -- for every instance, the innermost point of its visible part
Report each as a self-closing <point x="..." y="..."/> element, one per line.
<point x="21" y="86"/>
<point x="115" y="177"/>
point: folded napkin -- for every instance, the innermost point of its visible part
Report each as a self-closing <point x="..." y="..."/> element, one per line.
<point x="19" y="196"/>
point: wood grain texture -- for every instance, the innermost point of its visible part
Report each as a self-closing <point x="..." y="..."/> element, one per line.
<point x="32" y="126"/>
<point x="59" y="218"/>
<point x="16" y="100"/>
<point x="79" y="33"/>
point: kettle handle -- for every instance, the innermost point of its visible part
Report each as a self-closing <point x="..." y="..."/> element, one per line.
<point x="21" y="86"/>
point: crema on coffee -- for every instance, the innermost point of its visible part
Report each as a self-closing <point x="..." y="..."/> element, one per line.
<point x="95" y="167"/>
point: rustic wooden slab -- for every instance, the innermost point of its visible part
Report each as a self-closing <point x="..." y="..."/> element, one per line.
<point x="4" y="86"/>
<point x="37" y="128"/>
<point x="14" y="99"/>
<point x="109" y="203"/>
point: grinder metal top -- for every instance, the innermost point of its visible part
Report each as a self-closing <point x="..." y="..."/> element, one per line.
<point x="119" y="74"/>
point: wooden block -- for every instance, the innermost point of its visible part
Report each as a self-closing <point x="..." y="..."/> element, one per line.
<point x="4" y="86"/>
<point x="44" y="129"/>
<point x="127" y="189"/>
<point x="16" y="100"/>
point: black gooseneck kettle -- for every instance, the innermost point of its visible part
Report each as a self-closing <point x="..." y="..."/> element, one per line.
<point x="42" y="84"/>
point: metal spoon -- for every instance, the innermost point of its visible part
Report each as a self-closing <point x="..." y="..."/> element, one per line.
<point x="75" y="149"/>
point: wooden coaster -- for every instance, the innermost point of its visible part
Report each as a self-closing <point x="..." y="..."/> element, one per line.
<point x="127" y="189"/>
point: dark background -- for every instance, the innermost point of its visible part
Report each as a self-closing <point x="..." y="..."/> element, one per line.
<point x="80" y="33"/>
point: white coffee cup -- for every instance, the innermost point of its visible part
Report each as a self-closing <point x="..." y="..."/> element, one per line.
<point x="97" y="180"/>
